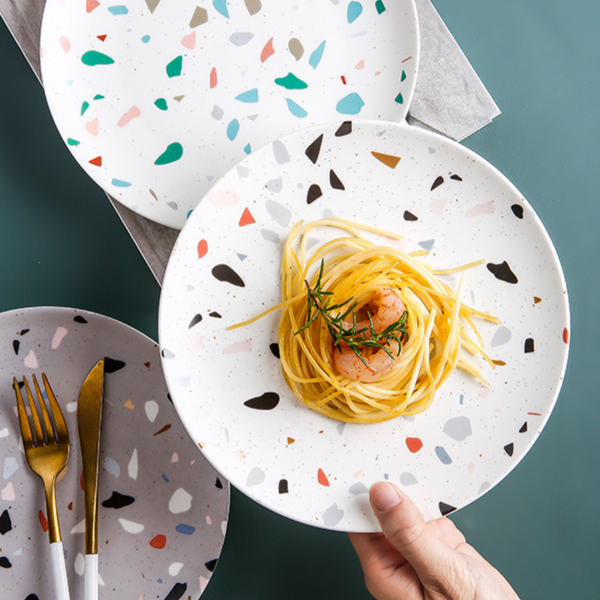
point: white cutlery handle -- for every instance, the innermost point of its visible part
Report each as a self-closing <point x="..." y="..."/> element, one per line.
<point x="59" y="571"/>
<point x="90" y="585"/>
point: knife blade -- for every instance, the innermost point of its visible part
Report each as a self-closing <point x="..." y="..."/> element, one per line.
<point x="89" y="423"/>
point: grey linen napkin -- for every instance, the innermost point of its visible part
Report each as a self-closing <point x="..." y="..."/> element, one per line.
<point x="449" y="98"/>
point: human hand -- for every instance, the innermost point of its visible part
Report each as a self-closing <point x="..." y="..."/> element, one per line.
<point x="414" y="560"/>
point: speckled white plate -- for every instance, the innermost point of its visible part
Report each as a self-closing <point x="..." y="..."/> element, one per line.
<point x="225" y="269"/>
<point x="158" y="99"/>
<point x="163" y="508"/>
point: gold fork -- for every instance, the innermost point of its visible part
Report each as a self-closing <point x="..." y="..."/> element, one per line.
<point x="47" y="451"/>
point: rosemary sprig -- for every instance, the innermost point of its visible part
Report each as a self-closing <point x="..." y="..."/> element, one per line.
<point x="353" y="336"/>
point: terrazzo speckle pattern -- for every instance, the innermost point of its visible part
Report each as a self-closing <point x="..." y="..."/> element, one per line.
<point x="158" y="99"/>
<point x="237" y="406"/>
<point x="163" y="508"/>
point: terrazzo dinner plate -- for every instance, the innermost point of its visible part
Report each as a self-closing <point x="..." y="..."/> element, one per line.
<point x="162" y="507"/>
<point x="158" y="99"/>
<point x="228" y="387"/>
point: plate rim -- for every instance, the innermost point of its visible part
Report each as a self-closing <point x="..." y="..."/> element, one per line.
<point x="411" y="7"/>
<point x="465" y="152"/>
<point x="65" y="310"/>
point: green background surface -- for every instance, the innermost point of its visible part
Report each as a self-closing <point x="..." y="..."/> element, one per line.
<point x="61" y="243"/>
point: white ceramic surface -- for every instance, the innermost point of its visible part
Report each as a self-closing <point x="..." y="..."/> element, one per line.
<point x="162" y="507"/>
<point x="225" y="269"/>
<point x="158" y="99"/>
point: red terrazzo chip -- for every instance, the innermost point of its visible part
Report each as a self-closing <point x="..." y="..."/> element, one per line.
<point x="414" y="444"/>
<point x="322" y="478"/>
<point x="159" y="541"/>
<point x="202" y="248"/>
<point x="247" y="218"/>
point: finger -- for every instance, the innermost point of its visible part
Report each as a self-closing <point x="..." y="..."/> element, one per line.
<point x="406" y="530"/>
<point x="375" y="552"/>
<point x="367" y="547"/>
<point x="388" y="575"/>
<point x="468" y="550"/>
<point x="448" y="533"/>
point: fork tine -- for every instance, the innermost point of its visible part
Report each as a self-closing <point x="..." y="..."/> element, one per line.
<point x="45" y="417"/>
<point x="59" y="421"/>
<point x="37" y="426"/>
<point x="23" y="420"/>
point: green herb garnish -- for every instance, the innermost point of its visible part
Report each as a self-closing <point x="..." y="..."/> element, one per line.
<point x="352" y="336"/>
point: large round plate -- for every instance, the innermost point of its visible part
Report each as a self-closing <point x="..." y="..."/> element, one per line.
<point x="443" y="198"/>
<point x="162" y="507"/>
<point x="158" y="99"/>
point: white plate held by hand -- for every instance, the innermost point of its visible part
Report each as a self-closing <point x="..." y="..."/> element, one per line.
<point x="227" y="384"/>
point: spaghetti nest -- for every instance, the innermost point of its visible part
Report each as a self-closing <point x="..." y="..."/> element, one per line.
<point x="352" y="269"/>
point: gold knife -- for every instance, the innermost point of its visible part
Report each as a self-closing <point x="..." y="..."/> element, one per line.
<point x="89" y="421"/>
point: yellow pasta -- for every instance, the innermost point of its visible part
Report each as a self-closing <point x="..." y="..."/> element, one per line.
<point x="440" y="327"/>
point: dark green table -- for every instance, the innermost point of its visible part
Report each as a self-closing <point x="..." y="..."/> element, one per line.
<point x="62" y="243"/>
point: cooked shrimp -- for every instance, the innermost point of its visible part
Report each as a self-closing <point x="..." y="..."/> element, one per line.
<point x="379" y="363"/>
<point x="388" y="309"/>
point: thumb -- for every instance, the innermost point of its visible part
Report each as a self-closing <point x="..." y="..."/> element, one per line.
<point x="404" y="527"/>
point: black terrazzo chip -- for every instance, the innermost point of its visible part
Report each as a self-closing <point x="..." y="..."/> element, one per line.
<point x="23" y="331"/>
<point x="5" y="522"/>
<point x="529" y="345"/>
<point x="16" y="346"/>
<point x="219" y="484"/>
<point x="274" y="348"/>
<point x="169" y="398"/>
<point x="195" y="321"/>
<point x="408" y="216"/>
<point x="344" y="129"/>
<point x="118" y="500"/>
<point x="334" y="181"/>
<point x="517" y="210"/>
<point x="438" y="181"/>
<point x="214" y="314"/>
<point x="502" y="272"/>
<point x="5" y="563"/>
<point x="456" y="177"/>
<point x="267" y="401"/>
<point x="79" y="319"/>
<point x="283" y="486"/>
<point x="111" y="365"/>
<point x="446" y="509"/>
<point x="314" y="192"/>
<point x="228" y="275"/>
<point x="509" y="449"/>
<point x="523" y="428"/>
<point x="211" y="564"/>
<point x="314" y="149"/>
<point x="177" y="591"/>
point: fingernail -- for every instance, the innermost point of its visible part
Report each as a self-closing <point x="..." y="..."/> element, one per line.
<point x="383" y="496"/>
